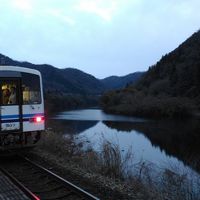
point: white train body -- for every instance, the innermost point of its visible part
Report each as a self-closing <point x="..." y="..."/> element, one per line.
<point x="21" y="107"/>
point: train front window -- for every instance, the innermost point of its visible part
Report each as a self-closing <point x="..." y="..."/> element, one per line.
<point x="31" y="89"/>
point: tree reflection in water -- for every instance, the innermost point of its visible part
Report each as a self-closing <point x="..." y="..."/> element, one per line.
<point x="180" y="139"/>
<point x="70" y="126"/>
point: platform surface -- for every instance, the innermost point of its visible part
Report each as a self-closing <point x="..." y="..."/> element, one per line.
<point x="9" y="191"/>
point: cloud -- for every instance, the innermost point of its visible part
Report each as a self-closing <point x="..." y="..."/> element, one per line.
<point x="102" y="8"/>
<point x="23" y="5"/>
<point x="61" y="16"/>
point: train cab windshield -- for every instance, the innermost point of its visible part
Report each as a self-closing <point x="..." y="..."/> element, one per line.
<point x="31" y="89"/>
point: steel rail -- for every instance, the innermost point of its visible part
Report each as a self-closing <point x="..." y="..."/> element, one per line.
<point x="29" y="184"/>
<point x="76" y="188"/>
<point x="24" y="189"/>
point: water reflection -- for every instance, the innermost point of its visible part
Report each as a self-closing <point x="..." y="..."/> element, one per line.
<point x="94" y="115"/>
<point x="160" y="142"/>
<point x="70" y="127"/>
<point x="141" y="147"/>
<point x="180" y="139"/>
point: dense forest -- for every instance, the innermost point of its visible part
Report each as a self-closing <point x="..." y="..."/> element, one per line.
<point x="58" y="101"/>
<point x="170" y="88"/>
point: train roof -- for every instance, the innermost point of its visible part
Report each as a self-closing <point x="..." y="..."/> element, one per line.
<point x="19" y="69"/>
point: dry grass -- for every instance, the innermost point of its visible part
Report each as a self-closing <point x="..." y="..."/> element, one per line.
<point x="146" y="181"/>
<point x="113" y="164"/>
<point x="61" y="145"/>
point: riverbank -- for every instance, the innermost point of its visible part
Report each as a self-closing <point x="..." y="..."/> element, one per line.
<point x="103" y="173"/>
<point x="136" y="103"/>
<point x="68" y="160"/>
<point x="100" y="186"/>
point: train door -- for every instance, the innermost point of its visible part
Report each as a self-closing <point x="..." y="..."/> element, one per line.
<point x="10" y="105"/>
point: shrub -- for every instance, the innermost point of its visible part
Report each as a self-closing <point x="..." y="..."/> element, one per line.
<point x="139" y="104"/>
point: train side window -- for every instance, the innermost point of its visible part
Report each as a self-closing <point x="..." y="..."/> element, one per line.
<point x="9" y="93"/>
<point x="31" y="89"/>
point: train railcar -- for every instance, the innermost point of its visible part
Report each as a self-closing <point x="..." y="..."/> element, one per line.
<point x="21" y="107"/>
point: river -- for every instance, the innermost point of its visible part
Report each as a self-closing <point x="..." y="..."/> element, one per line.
<point x="165" y="143"/>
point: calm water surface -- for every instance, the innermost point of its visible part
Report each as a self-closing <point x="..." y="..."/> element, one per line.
<point x="164" y="143"/>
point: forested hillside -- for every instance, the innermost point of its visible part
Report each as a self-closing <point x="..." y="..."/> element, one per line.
<point x="177" y="73"/>
<point x="170" y="88"/>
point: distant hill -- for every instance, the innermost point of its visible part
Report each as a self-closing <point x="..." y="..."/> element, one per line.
<point x="116" y="82"/>
<point x="72" y="80"/>
<point x="64" y="80"/>
<point x="170" y="88"/>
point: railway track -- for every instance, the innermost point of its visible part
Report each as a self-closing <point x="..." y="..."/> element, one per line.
<point x="37" y="181"/>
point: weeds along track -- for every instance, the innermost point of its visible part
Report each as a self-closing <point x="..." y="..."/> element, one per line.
<point x="40" y="181"/>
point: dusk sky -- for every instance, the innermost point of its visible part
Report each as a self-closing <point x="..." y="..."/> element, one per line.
<point x="100" y="37"/>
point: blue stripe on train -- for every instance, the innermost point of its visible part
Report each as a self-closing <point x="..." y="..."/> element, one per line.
<point x="17" y="116"/>
<point x="32" y="115"/>
<point x="9" y="116"/>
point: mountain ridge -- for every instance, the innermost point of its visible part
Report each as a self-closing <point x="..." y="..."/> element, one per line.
<point x="69" y="80"/>
<point x="116" y="82"/>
